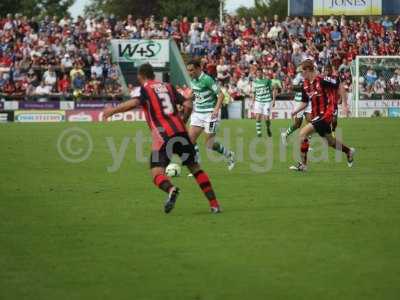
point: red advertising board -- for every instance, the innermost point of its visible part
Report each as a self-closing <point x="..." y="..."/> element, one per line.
<point x="97" y="116"/>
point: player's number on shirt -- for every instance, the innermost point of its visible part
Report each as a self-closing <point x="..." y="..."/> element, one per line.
<point x="166" y="103"/>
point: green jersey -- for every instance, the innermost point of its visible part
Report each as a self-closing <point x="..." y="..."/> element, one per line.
<point x="298" y="97"/>
<point x="297" y="81"/>
<point x="262" y="89"/>
<point x="205" y="91"/>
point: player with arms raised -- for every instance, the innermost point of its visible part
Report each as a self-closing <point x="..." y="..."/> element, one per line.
<point x="159" y="102"/>
<point x="317" y="91"/>
<point x="208" y="100"/>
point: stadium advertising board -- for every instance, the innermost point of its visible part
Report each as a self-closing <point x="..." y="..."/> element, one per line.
<point x="39" y="116"/>
<point x="11" y="105"/>
<point x="97" y="116"/>
<point x="26" y="105"/>
<point x="3" y="117"/>
<point x="235" y="110"/>
<point x="155" y="52"/>
<point x="6" y="116"/>
<point x="83" y="115"/>
<point x="282" y="110"/>
<point x="343" y="7"/>
<point x="347" y="7"/>
<point x="95" y="104"/>
<point x="365" y="104"/>
<point x="394" y="112"/>
<point x="372" y="112"/>
<point x="67" y="105"/>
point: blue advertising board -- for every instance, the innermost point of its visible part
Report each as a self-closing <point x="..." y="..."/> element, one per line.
<point x="394" y="112"/>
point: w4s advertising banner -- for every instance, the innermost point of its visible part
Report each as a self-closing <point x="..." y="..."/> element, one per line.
<point x="347" y="7"/>
<point x="155" y="52"/>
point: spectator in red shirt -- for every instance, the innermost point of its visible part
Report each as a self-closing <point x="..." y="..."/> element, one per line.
<point x="5" y="61"/>
<point x="64" y="85"/>
<point x="184" y="27"/>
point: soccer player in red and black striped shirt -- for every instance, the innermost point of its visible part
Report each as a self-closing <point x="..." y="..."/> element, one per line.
<point x="321" y="92"/>
<point x="159" y="102"/>
<point x="339" y="96"/>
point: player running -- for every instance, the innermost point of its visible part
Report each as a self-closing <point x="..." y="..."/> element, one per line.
<point x="208" y="100"/>
<point x="159" y="101"/>
<point x="339" y="96"/>
<point x="304" y="114"/>
<point x="263" y="99"/>
<point x="316" y="90"/>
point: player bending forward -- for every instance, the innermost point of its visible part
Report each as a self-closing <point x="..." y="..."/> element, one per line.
<point x="298" y="118"/>
<point x="317" y="91"/>
<point x="208" y="100"/>
<point x="263" y="99"/>
<point x="159" y="101"/>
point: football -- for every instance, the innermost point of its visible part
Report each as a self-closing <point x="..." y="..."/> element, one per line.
<point x="173" y="170"/>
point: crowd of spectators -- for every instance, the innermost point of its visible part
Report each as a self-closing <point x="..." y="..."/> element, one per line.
<point x="67" y="58"/>
<point x="54" y="58"/>
<point x="379" y="78"/>
<point x="232" y="51"/>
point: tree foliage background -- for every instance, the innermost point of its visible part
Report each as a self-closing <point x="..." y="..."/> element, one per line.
<point x="175" y="8"/>
<point x="140" y="8"/>
<point x="158" y="8"/>
<point x="122" y="8"/>
<point x="262" y="8"/>
<point x="36" y="8"/>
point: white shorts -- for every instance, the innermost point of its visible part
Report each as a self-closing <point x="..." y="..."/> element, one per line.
<point x="301" y="114"/>
<point x="205" y="121"/>
<point x="262" y="108"/>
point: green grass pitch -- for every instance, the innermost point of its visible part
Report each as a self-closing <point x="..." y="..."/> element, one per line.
<point x="78" y="231"/>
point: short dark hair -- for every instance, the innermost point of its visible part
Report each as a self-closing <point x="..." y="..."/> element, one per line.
<point x="146" y="70"/>
<point x="195" y="63"/>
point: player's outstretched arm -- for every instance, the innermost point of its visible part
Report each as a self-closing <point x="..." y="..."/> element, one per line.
<point x="344" y="100"/>
<point x="218" y="106"/>
<point x="123" y="107"/>
<point x="187" y="110"/>
<point x="274" y="94"/>
<point x="184" y="98"/>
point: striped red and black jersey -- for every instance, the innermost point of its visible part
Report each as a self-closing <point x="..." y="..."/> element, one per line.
<point x="334" y="94"/>
<point x="159" y="101"/>
<point x="321" y="92"/>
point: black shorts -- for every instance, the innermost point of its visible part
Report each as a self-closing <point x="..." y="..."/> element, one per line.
<point x="180" y="145"/>
<point x="321" y="126"/>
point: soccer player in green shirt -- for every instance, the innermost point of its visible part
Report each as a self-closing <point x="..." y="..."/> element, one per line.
<point x="208" y="99"/>
<point x="263" y="99"/>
